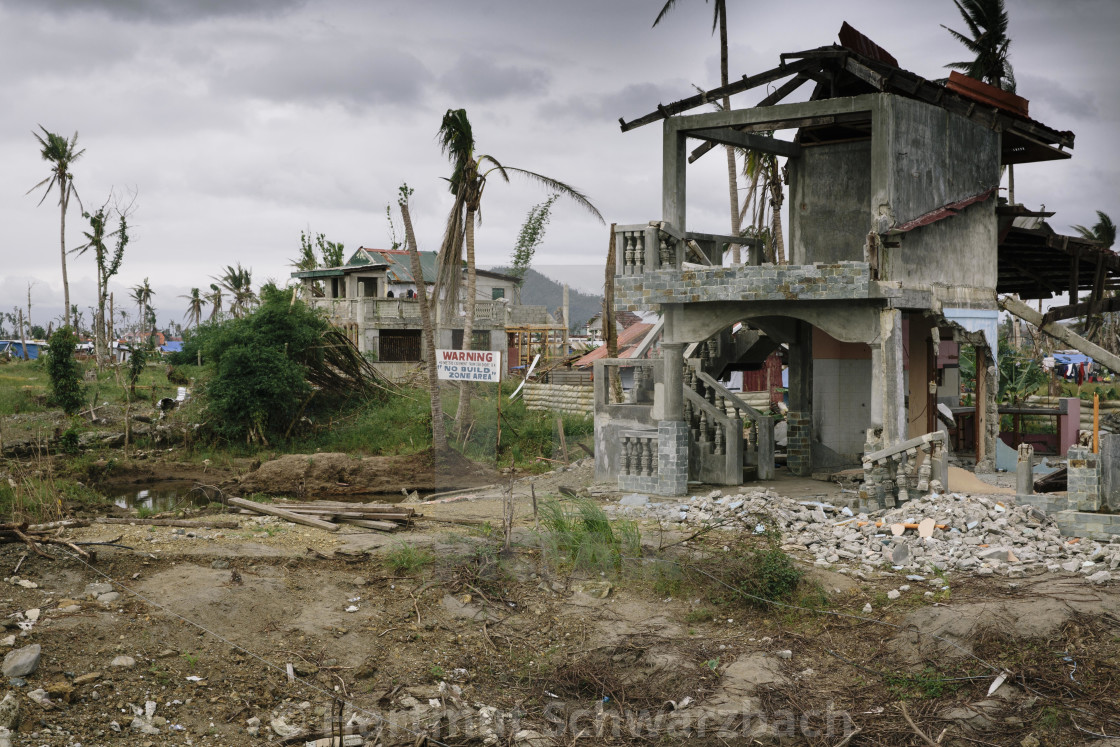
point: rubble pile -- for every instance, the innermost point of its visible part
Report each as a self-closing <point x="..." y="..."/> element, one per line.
<point x="933" y="534"/>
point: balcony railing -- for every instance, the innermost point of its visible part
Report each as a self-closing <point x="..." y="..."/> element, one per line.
<point x="660" y="246"/>
<point x="374" y="310"/>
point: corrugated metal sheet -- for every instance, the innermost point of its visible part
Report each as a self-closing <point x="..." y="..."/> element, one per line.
<point x="860" y="44"/>
<point x="945" y="211"/>
<point x="984" y="93"/>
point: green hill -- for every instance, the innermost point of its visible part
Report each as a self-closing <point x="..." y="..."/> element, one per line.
<point x="539" y="290"/>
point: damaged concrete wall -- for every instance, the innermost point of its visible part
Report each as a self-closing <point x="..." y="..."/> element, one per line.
<point x="924" y="158"/>
<point x="830" y="202"/>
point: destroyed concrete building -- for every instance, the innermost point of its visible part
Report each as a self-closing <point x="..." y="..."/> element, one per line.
<point x="899" y="244"/>
<point x="372" y="297"/>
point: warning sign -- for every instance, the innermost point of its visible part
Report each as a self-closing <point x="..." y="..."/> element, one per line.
<point x="469" y="365"/>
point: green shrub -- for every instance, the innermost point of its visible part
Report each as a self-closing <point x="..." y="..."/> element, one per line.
<point x="584" y="536"/>
<point x="256" y="392"/>
<point x="761" y="575"/>
<point x="65" y="372"/>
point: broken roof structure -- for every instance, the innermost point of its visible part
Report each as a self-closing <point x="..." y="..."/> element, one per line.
<point x="898" y="244"/>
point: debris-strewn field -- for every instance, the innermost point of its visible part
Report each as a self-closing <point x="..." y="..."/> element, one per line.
<point x="646" y="623"/>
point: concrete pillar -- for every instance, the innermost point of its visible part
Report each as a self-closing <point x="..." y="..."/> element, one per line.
<point x="1024" y="470"/>
<point x="799" y="419"/>
<point x="674" y="160"/>
<point x="673" y="354"/>
<point x="567" y="318"/>
<point x="987" y="413"/>
<point x="892" y="388"/>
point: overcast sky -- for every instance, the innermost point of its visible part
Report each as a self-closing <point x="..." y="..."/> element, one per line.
<point x="238" y="123"/>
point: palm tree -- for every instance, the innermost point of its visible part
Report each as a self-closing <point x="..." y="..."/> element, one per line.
<point x="467" y="182"/>
<point x="238" y="281"/>
<point x="719" y="20"/>
<point x="195" y="304"/>
<point x="214" y="298"/>
<point x="60" y="153"/>
<point x="987" y="24"/>
<point x="142" y="294"/>
<point x="1104" y="233"/>
<point x="439" y="432"/>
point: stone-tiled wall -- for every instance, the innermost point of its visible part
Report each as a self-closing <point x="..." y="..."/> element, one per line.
<point x="1083" y="489"/>
<point x="798" y="437"/>
<point x="1100" y="527"/>
<point x="672" y="457"/>
<point x="843" y="280"/>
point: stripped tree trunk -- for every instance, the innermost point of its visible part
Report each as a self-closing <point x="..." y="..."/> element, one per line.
<point x="64" y="200"/>
<point x="609" y="333"/>
<point x="463" y="414"/>
<point x="439" y="434"/>
<point x="732" y="171"/>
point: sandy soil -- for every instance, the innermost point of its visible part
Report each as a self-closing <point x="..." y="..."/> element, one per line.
<point x="211" y="619"/>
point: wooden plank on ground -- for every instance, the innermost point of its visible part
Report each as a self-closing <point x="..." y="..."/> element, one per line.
<point x="291" y="516"/>
<point x="383" y="526"/>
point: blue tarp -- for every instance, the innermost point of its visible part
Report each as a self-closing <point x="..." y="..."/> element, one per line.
<point x="1072" y="358"/>
<point x="171" y="346"/>
<point x="14" y="348"/>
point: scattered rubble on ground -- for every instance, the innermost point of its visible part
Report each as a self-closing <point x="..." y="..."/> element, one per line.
<point x="935" y="535"/>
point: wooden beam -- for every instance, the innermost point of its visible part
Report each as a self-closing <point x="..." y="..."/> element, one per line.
<point x="295" y="518"/>
<point x="1069" y="311"/>
<point x="1052" y="287"/>
<point x="1060" y="332"/>
<point x="728" y="136"/>
<point x="784" y="90"/>
<point x="745" y="84"/>
<point x="781" y="116"/>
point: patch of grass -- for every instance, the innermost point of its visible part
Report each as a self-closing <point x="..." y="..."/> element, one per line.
<point x="190" y="658"/>
<point x="930" y="683"/>
<point x="143" y="512"/>
<point x="700" y="615"/>
<point x="406" y="558"/>
<point x="583" y="536"/>
<point x="436" y="671"/>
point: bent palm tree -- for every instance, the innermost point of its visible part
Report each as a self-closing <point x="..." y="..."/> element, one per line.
<point x="60" y="153"/>
<point x="467" y="182"/>
<point x="719" y="20"/>
<point x="987" y="22"/>
<point x="195" y="304"/>
<point x="214" y="298"/>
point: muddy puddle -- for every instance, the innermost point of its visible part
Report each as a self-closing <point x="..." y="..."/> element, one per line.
<point x="164" y="495"/>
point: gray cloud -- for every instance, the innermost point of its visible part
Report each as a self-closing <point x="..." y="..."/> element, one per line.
<point x="159" y="11"/>
<point x="482" y="79"/>
<point x="628" y="102"/>
<point x="1058" y="99"/>
<point x="322" y="71"/>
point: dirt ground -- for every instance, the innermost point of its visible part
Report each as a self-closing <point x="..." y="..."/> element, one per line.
<point x="191" y="639"/>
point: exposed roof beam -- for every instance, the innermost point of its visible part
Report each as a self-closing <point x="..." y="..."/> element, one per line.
<point x="784" y="90"/>
<point x="728" y="136"/>
<point x="780" y="117"/>
<point x="745" y="84"/>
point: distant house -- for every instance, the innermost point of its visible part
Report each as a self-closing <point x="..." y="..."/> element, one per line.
<point x="593" y="329"/>
<point x="373" y="298"/>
